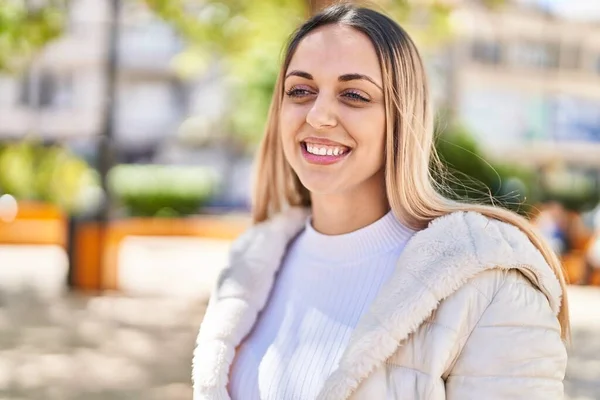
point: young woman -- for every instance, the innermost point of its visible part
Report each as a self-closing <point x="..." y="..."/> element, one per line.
<point x="359" y="280"/>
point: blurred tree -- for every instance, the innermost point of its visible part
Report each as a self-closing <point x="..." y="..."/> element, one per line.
<point x="24" y="29"/>
<point x="576" y="189"/>
<point x="162" y="190"/>
<point x="31" y="171"/>
<point x="248" y="37"/>
<point x="468" y="176"/>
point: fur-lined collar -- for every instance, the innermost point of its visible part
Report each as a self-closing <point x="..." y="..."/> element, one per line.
<point x="434" y="264"/>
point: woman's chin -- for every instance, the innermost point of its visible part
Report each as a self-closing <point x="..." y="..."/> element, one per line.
<point x="321" y="186"/>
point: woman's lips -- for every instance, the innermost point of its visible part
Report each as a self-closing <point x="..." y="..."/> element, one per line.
<point x="318" y="153"/>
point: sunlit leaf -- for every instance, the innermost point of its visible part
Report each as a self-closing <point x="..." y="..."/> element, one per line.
<point x="25" y="30"/>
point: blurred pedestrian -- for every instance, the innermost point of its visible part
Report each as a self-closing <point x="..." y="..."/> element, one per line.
<point x="551" y="222"/>
<point x="358" y="279"/>
<point x="593" y="249"/>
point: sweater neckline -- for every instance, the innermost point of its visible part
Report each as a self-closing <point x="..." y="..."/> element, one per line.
<point x="383" y="235"/>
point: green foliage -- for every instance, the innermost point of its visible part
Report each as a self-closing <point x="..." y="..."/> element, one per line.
<point x="255" y="69"/>
<point x="468" y="176"/>
<point x="18" y="170"/>
<point x="162" y="191"/>
<point x="23" y="31"/>
<point x="31" y="171"/>
<point x="575" y="189"/>
<point x="247" y="37"/>
<point x="218" y="26"/>
<point x="428" y="23"/>
<point x="575" y="201"/>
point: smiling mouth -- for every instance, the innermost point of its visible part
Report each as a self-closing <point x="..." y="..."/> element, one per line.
<point x="316" y="153"/>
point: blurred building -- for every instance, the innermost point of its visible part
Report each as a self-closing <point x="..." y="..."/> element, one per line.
<point x="62" y="94"/>
<point x="526" y="82"/>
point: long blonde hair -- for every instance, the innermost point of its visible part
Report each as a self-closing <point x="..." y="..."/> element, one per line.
<point x="414" y="195"/>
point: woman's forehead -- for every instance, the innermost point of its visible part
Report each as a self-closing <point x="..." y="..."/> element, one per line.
<point x="336" y="50"/>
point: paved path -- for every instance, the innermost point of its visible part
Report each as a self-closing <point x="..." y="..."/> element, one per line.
<point x="583" y="373"/>
<point x="117" y="348"/>
<point x="97" y="348"/>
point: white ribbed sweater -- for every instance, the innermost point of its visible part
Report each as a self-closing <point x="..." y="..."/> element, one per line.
<point x="325" y="285"/>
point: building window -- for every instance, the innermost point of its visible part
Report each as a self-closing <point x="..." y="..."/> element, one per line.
<point x="486" y="52"/>
<point x="56" y="90"/>
<point x="570" y="55"/>
<point x="48" y="89"/>
<point x="135" y="124"/>
<point x="7" y="91"/>
<point x="26" y="89"/>
<point x="533" y="54"/>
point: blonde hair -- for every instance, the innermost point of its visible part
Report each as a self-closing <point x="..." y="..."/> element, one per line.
<point x="414" y="195"/>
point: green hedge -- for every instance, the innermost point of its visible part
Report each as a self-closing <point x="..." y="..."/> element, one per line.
<point x="469" y="176"/>
<point x="162" y="191"/>
<point x="518" y="188"/>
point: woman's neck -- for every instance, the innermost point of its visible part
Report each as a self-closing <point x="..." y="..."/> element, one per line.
<point x="335" y="214"/>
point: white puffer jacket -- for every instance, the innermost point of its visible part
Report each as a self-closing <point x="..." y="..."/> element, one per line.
<point x="469" y="313"/>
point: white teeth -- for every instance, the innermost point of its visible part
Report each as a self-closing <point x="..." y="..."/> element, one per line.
<point x="322" y="151"/>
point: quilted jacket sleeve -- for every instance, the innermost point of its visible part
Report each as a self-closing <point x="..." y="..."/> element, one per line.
<point x="514" y="351"/>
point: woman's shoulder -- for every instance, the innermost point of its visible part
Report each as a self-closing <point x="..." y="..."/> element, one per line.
<point x="497" y="297"/>
<point x="479" y="229"/>
<point x="486" y="249"/>
<point x="486" y="239"/>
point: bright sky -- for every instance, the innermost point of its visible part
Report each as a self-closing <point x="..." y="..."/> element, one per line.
<point x="577" y="9"/>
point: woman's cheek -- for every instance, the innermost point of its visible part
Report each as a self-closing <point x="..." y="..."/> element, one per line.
<point x="290" y="118"/>
<point x="370" y="124"/>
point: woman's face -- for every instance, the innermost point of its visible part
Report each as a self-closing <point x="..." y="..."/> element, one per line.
<point x="332" y="117"/>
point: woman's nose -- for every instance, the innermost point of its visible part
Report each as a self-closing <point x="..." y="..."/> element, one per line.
<point x="322" y="113"/>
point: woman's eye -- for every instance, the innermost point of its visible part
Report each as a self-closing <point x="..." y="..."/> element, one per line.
<point x="354" y="96"/>
<point x="297" y="92"/>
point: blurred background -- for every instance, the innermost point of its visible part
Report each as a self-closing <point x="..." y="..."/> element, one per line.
<point x="127" y="134"/>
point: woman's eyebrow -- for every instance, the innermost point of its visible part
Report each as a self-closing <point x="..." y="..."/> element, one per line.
<point x="301" y="74"/>
<point x="342" y="78"/>
<point x="352" y="77"/>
